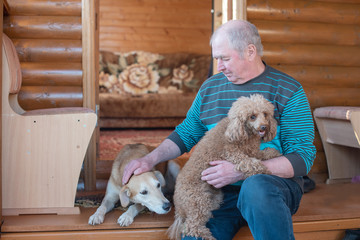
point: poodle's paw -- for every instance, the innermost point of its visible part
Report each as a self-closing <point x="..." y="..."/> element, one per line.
<point x="199" y="232"/>
<point x="125" y="220"/>
<point x="270" y="153"/>
<point x="96" y="219"/>
<point x="208" y="237"/>
<point x="252" y="166"/>
<point x="98" y="216"/>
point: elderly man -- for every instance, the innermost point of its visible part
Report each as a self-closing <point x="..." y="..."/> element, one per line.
<point x="263" y="202"/>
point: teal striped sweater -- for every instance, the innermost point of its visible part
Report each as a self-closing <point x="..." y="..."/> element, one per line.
<point x="295" y="133"/>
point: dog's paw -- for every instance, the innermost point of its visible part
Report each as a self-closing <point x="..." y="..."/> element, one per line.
<point x="199" y="232"/>
<point x="270" y="153"/>
<point x="96" y="219"/>
<point x="125" y="220"/>
<point x="251" y="166"/>
<point x="98" y="216"/>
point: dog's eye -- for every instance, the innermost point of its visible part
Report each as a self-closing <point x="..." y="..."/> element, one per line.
<point x="158" y="185"/>
<point x="144" y="192"/>
<point x="253" y="117"/>
<point x="265" y="114"/>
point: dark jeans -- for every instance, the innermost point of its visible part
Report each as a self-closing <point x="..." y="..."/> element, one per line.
<point x="265" y="203"/>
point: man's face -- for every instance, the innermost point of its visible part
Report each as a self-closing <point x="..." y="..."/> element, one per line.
<point x="233" y="66"/>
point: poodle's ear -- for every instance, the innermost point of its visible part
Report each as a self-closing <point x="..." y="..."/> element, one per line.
<point x="235" y="130"/>
<point x="124" y="196"/>
<point x="273" y="129"/>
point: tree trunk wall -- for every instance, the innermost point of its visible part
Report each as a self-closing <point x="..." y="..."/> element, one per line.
<point x="47" y="36"/>
<point x="316" y="42"/>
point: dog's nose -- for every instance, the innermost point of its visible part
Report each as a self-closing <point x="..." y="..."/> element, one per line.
<point x="166" y="206"/>
<point x="263" y="128"/>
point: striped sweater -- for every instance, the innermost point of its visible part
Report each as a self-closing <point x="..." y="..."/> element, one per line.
<point x="295" y="133"/>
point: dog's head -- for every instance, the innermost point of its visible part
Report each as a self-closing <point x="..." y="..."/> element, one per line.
<point x="145" y="189"/>
<point x="251" y="117"/>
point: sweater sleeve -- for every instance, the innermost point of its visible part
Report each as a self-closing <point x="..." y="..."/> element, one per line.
<point x="191" y="130"/>
<point x="297" y="133"/>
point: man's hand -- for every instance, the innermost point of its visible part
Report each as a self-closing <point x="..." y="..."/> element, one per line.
<point x="136" y="167"/>
<point x="221" y="173"/>
<point x="165" y="151"/>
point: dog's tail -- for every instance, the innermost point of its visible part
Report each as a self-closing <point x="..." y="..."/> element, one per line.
<point x="174" y="231"/>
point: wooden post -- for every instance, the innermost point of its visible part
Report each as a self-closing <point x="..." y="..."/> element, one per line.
<point x="229" y="10"/>
<point x="90" y="43"/>
<point x="239" y="11"/>
<point x="225" y="10"/>
<point x="1" y="28"/>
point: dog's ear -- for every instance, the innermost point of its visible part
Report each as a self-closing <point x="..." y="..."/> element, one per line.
<point x="124" y="196"/>
<point x="235" y="130"/>
<point x="160" y="177"/>
<point x="273" y="129"/>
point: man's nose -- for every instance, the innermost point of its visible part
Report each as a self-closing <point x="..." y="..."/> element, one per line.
<point x="220" y="66"/>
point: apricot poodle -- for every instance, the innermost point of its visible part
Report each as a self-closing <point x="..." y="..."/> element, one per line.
<point x="235" y="138"/>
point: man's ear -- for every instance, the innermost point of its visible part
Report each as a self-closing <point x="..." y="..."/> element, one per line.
<point x="251" y="52"/>
<point x="160" y="177"/>
<point x="124" y="196"/>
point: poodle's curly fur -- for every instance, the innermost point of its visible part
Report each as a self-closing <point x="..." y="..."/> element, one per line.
<point x="235" y="138"/>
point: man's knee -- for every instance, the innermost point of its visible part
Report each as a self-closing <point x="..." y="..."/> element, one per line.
<point x="257" y="192"/>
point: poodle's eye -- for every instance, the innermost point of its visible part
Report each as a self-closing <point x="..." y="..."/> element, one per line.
<point x="265" y="114"/>
<point x="158" y="185"/>
<point x="253" y="117"/>
<point x="144" y="192"/>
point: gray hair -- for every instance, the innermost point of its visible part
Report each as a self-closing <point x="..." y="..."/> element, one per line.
<point x="240" y="34"/>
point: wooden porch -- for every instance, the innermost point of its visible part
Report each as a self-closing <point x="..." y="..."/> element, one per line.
<point x="325" y="213"/>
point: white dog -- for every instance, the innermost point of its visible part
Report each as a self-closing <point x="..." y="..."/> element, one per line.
<point x="143" y="190"/>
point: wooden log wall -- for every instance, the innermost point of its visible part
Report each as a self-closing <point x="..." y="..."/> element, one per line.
<point x="47" y="36"/>
<point x="316" y="42"/>
<point x="158" y="26"/>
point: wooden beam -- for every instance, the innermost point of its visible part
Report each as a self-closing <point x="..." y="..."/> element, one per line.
<point x="51" y="96"/>
<point x="46" y="50"/>
<point x="51" y="74"/>
<point x="303" y="11"/>
<point x="44" y="7"/>
<point x="90" y="60"/>
<point x="1" y="32"/>
<point x="240" y="9"/>
<point x="48" y="27"/>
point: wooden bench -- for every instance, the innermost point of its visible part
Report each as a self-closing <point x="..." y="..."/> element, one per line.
<point x="324" y="214"/>
<point x="339" y="129"/>
<point x="42" y="150"/>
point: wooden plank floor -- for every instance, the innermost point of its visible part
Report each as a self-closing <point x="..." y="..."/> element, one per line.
<point x="324" y="213"/>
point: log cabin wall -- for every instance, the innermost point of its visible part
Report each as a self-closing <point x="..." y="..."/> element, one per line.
<point x="47" y="36"/>
<point x="316" y="42"/>
<point x="57" y="44"/>
<point x="156" y="26"/>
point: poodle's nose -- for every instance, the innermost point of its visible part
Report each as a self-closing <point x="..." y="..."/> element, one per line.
<point x="166" y="206"/>
<point x="263" y="128"/>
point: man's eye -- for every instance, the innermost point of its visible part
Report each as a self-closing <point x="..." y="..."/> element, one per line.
<point x="144" y="192"/>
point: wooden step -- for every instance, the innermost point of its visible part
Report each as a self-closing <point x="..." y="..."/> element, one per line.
<point x="324" y="214"/>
